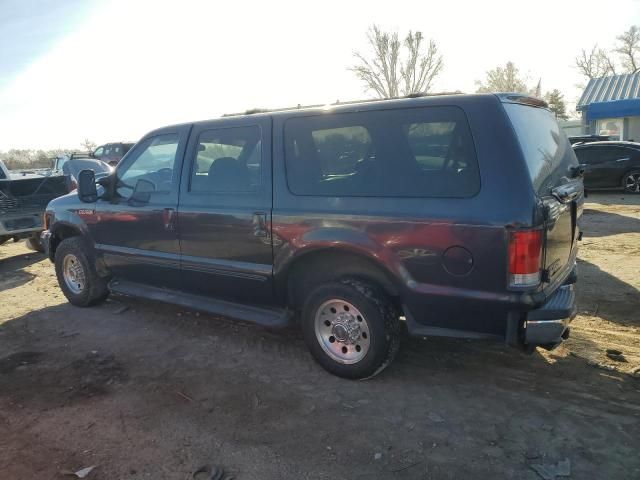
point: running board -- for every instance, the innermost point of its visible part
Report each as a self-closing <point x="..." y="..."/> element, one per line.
<point x="267" y="317"/>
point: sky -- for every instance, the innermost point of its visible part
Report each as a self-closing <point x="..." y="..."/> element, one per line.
<point x="110" y="70"/>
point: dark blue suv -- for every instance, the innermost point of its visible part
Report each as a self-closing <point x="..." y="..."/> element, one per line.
<point x="451" y="215"/>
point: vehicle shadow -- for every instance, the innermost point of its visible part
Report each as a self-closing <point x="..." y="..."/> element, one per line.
<point x="604" y="295"/>
<point x="18" y="262"/>
<point x="164" y="371"/>
<point x="612" y="198"/>
<point x="12" y="273"/>
<point x="599" y="223"/>
<point x="182" y="340"/>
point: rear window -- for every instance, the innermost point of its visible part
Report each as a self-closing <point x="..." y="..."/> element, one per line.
<point x="418" y="152"/>
<point x="545" y="146"/>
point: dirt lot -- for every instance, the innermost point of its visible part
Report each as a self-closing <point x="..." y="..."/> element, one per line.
<point x="156" y="391"/>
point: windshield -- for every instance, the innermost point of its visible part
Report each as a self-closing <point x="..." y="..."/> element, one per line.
<point x="545" y="146"/>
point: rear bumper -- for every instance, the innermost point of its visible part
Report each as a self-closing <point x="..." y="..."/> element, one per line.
<point x="548" y="325"/>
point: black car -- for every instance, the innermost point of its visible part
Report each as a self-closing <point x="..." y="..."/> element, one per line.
<point x="580" y="139"/>
<point x="452" y="215"/>
<point x="610" y="165"/>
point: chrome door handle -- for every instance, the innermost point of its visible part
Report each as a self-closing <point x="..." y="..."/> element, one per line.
<point x="168" y="218"/>
<point x="260" y="224"/>
<point x="622" y="160"/>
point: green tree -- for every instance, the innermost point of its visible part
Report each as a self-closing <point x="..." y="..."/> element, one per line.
<point x="555" y="99"/>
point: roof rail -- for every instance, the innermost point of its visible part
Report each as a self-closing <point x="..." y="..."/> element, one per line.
<point x="254" y="111"/>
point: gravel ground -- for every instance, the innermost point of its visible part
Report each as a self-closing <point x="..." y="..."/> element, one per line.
<point x="143" y="390"/>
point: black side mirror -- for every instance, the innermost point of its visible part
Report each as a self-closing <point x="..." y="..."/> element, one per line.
<point x="87" y="191"/>
<point x="142" y="191"/>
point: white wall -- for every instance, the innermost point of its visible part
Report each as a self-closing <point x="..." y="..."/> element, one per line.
<point x="633" y="131"/>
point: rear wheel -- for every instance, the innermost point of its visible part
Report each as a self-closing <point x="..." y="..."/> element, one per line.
<point x="77" y="275"/>
<point x="631" y="182"/>
<point x="351" y="328"/>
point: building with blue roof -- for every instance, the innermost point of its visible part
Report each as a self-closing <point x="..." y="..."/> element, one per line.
<point x="611" y="106"/>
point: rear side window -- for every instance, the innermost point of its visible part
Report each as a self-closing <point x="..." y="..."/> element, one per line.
<point x="228" y="160"/>
<point x="417" y="152"/>
<point x="545" y="146"/>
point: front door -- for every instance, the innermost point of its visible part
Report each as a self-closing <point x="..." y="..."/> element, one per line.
<point x="136" y="231"/>
<point x="224" y="212"/>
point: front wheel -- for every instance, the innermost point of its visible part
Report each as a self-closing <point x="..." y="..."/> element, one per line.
<point x="77" y="274"/>
<point x="631" y="182"/>
<point x="351" y="329"/>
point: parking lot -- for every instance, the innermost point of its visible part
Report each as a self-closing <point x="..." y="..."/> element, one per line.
<point x="142" y="390"/>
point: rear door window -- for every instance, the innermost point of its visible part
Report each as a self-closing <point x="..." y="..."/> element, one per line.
<point x="587" y="156"/>
<point x="228" y="160"/>
<point x="546" y="149"/>
<point x="417" y="152"/>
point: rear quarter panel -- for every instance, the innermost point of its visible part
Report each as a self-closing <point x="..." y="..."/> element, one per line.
<point x="408" y="237"/>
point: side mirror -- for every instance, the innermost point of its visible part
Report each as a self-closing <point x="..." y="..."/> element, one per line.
<point x="87" y="191"/>
<point x="142" y="191"/>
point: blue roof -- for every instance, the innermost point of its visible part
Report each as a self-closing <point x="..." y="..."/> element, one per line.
<point x="610" y="89"/>
<point x="616" y="109"/>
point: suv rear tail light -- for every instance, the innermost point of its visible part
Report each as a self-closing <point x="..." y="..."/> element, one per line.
<point x="525" y="255"/>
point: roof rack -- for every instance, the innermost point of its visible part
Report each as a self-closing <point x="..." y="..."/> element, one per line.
<point x="254" y="111"/>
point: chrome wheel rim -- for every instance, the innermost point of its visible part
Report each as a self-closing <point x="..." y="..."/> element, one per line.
<point x="342" y="331"/>
<point x="73" y="273"/>
<point x="632" y="183"/>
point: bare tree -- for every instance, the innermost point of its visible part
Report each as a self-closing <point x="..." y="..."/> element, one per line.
<point x="504" y="79"/>
<point x="629" y="49"/>
<point x="389" y="73"/>
<point x="88" y="145"/>
<point x="595" y="63"/>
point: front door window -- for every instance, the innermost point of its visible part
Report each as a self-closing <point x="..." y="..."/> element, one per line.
<point x="153" y="162"/>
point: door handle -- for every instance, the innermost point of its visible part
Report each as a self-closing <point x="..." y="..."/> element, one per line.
<point x="168" y="218"/>
<point x="622" y="160"/>
<point x="260" y="224"/>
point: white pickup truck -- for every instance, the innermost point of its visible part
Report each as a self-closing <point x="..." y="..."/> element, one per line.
<point x="23" y="199"/>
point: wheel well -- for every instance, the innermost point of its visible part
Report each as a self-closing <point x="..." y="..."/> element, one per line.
<point x="61" y="233"/>
<point x="324" y="266"/>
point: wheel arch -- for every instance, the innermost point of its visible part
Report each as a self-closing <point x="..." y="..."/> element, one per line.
<point x="623" y="178"/>
<point x="322" y="265"/>
<point x="59" y="232"/>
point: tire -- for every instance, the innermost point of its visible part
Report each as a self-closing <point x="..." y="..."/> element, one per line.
<point x="34" y="243"/>
<point x="76" y="273"/>
<point x="351" y="328"/>
<point x="631" y="182"/>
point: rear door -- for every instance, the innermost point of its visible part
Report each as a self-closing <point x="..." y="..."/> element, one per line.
<point x="604" y="164"/>
<point x="224" y="212"/>
<point x="616" y="162"/>
<point x="552" y="167"/>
